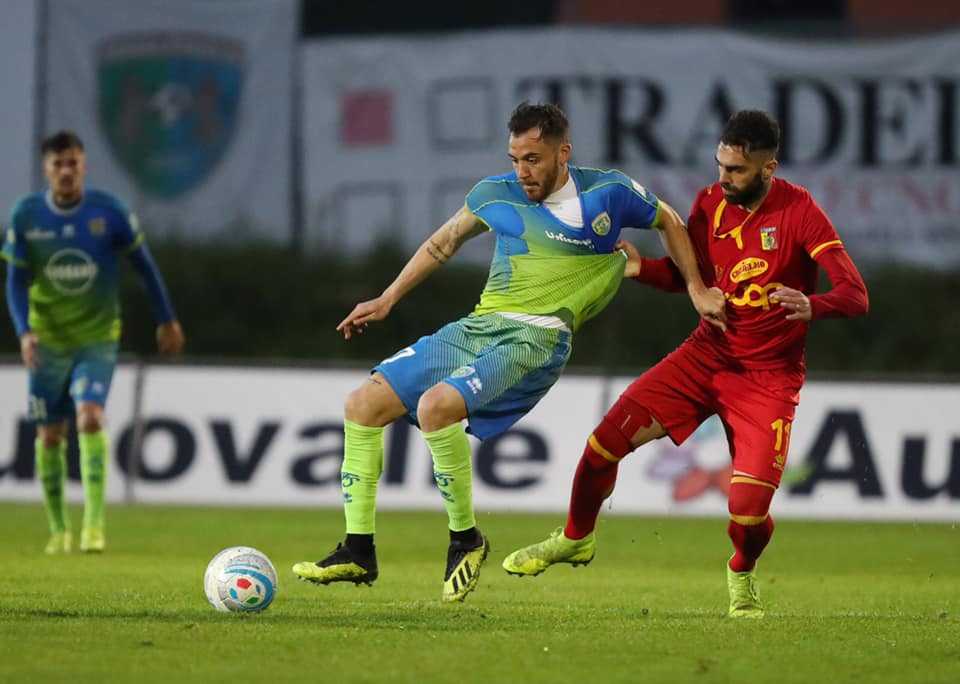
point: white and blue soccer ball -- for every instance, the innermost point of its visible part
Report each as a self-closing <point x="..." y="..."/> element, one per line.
<point x="240" y="579"/>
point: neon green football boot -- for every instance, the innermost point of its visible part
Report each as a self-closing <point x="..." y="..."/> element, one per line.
<point x="463" y="568"/>
<point x="744" y="600"/>
<point x="92" y="540"/>
<point x="340" y="565"/>
<point x="534" y="559"/>
<point x="59" y="542"/>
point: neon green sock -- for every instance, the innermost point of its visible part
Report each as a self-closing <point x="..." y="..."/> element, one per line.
<point x="93" y="472"/>
<point x="453" y="472"/>
<point x="51" y="463"/>
<point x="362" y="465"/>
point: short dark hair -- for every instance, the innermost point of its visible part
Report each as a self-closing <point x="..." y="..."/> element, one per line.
<point x="549" y="118"/>
<point x="752" y="130"/>
<point x="60" y="142"/>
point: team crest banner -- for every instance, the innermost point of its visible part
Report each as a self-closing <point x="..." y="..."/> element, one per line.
<point x="181" y="105"/>
<point x="168" y="105"/>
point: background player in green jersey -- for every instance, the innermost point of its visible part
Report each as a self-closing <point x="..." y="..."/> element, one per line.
<point x="62" y="285"/>
<point x="554" y="267"/>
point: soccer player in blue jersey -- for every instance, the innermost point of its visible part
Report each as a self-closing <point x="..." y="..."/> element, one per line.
<point x="63" y="247"/>
<point x="554" y="267"/>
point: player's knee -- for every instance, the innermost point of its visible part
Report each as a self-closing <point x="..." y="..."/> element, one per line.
<point x="90" y="419"/>
<point x="439" y="406"/>
<point x="373" y="404"/>
<point x="633" y="422"/>
<point x="610" y="441"/>
<point x="364" y="407"/>
<point x="749" y="500"/>
<point x="52" y="435"/>
<point x="356" y="407"/>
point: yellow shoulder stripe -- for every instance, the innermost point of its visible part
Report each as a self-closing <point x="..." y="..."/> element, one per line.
<point x="819" y="248"/>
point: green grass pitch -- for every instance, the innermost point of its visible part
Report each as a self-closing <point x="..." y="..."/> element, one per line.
<point x="847" y="602"/>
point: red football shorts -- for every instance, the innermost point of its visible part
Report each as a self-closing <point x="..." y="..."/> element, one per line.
<point x="755" y="406"/>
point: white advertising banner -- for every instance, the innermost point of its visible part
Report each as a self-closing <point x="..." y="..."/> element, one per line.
<point x="243" y="436"/>
<point x="185" y="107"/>
<point x="397" y="131"/>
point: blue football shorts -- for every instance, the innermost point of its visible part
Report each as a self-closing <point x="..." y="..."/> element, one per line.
<point x="500" y="366"/>
<point x="65" y="378"/>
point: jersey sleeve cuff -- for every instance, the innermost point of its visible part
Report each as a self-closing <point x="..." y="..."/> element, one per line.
<point x="13" y="260"/>
<point x="655" y="223"/>
<point x="135" y="244"/>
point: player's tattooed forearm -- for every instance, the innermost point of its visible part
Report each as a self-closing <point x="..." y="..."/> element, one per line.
<point x="438" y="254"/>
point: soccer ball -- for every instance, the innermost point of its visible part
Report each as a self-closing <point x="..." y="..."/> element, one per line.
<point x="240" y="579"/>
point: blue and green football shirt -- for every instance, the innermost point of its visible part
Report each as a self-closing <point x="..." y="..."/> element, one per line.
<point x="542" y="266"/>
<point x="72" y="256"/>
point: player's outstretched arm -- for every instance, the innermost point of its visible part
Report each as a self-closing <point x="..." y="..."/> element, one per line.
<point x="430" y="256"/>
<point x="709" y="302"/>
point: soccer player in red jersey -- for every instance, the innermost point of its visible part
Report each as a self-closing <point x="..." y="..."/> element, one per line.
<point x="761" y="240"/>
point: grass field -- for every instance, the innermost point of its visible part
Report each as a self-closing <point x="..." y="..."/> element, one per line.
<point x="846" y="603"/>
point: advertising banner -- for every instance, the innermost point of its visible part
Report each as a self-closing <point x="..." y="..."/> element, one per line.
<point x="397" y="131"/>
<point x="246" y="436"/>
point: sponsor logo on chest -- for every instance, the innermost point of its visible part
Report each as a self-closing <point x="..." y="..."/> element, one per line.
<point x="71" y="271"/>
<point x="560" y="237"/>
<point x="754" y="295"/>
<point x="38" y="233"/>
<point x="748" y="268"/>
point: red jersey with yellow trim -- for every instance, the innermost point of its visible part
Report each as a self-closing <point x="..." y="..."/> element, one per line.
<point x="748" y="255"/>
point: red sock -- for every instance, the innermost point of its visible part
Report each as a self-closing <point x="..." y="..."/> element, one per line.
<point x="593" y="483"/>
<point x="597" y="471"/>
<point x="749" y="501"/>
<point x="749" y="541"/>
